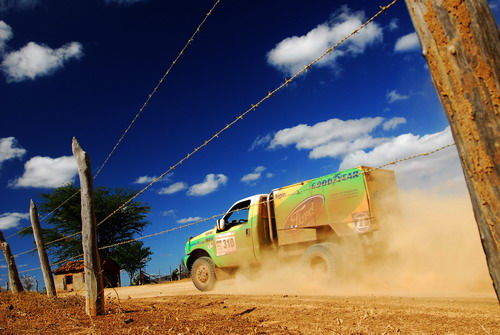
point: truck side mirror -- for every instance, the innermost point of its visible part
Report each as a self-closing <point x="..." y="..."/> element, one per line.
<point x="221" y="224"/>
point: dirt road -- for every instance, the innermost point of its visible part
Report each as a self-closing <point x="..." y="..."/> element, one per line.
<point x="177" y="308"/>
<point x="184" y="287"/>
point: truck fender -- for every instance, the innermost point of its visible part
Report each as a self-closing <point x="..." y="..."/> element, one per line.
<point x="194" y="255"/>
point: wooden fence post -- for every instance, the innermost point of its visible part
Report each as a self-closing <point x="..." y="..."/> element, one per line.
<point x="461" y="43"/>
<point x="94" y="302"/>
<point x="15" y="282"/>
<point x="42" y="254"/>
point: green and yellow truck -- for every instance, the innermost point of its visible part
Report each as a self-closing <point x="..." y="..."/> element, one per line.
<point x="305" y="220"/>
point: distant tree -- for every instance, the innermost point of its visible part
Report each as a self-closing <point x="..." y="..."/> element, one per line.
<point x="122" y="226"/>
<point x="29" y="282"/>
<point x="132" y="257"/>
<point x="175" y="274"/>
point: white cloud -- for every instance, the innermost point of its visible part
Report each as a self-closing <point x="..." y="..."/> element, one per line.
<point x="293" y="53"/>
<point x="11" y="220"/>
<point x="393" y="123"/>
<point x="260" y="141"/>
<point x="47" y="172"/>
<point x="5" y="34"/>
<point x="393" y="96"/>
<point x="9" y="149"/>
<point x="168" y="212"/>
<point x="343" y="147"/>
<point x="211" y="183"/>
<point x="149" y="179"/>
<point x="339" y="138"/>
<point x="269" y="175"/>
<point x="407" y="43"/>
<point x="34" y="60"/>
<point x="424" y="172"/>
<point x="145" y="179"/>
<point x="174" y="188"/>
<point x="394" y="24"/>
<point x="253" y="176"/>
<point x="17" y="4"/>
<point x="190" y="219"/>
<point x="356" y="145"/>
<point x="308" y="137"/>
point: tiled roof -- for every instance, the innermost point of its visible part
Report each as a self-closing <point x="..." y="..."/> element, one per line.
<point x="77" y="266"/>
<point x="73" y="266"/>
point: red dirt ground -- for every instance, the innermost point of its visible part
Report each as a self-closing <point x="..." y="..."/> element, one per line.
<point x="33" y="313"/>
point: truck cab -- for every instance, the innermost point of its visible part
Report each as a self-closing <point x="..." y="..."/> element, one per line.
<point x="235" y="241"/>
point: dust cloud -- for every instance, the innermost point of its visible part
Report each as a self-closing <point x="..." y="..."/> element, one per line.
<point x="431" y="249"/>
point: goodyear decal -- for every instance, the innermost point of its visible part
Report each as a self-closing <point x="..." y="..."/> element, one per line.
<point x="339" y="176"/>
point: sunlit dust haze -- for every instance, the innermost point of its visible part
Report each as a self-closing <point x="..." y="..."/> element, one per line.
<point x="432" y="249"/>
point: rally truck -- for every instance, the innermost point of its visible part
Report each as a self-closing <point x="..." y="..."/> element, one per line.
<point x="305" y="220"/>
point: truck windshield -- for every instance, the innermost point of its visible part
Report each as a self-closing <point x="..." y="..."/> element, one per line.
<point x="238" y="213"/>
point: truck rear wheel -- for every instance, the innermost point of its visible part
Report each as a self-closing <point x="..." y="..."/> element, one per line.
<point x="203" y="274"/>
<point x="320" y="261"/>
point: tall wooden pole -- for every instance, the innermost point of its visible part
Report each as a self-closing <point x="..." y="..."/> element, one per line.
<point x="94" y="303"/>
<point x="461" y="43"/>
<point x="15" y="282"/>
<point x="42" y="254"/>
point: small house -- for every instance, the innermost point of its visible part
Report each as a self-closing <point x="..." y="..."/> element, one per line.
<point x="70" y="276"/>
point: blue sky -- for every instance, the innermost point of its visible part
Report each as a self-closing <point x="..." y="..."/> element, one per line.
<point x="83" y="68"/>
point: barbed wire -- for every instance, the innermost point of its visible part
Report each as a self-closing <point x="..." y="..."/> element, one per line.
<point x="52" y="264"/>
<point x="155" y="89"/>
<point x="46" y="215"/>
<point x="238" y="118"/>
<point x="336" y="180"/>
<point x="138" y="114"/>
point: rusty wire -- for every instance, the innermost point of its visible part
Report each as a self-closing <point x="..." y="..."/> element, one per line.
<point x="138" y="114"/>
<point x="238" y="118"/>
<point x="394" y="162"/>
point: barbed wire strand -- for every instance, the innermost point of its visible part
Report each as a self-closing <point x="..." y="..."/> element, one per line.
<point x="293" y="193"/>
<point x="138" y="114"/>
<point x="46" y="215"/>
<point x="239" y="117"/>
<point x="336" y="180"/>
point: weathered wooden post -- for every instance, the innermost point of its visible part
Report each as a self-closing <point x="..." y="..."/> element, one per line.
<point x="15" y="282"/>
<point x="42" y="254"/>
<point x="461" y="43"/>
<point x="94" y="302"/>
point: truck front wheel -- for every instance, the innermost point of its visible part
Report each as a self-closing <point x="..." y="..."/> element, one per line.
<point x="203" y="274"/>
<point x="320" y="261"/>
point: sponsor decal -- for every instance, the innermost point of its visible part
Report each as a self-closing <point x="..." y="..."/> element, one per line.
<point x="361" y="221"/>
<point x="225" y="244"/>
<point x="306" y="213"/>
<point x="331" y="180"/>
<point x="280" y="195"/>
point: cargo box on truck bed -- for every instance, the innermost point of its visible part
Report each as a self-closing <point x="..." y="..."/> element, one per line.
<point x="347" y="201"/>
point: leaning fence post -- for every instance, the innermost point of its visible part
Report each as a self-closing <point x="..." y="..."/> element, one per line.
<point x="461" y="43"/>
<point x="94" y="302"/>
<point x="42" y="254"/>
<point x="15" y="282"/>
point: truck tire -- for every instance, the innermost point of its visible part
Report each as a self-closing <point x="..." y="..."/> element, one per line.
<point x="319" y="260"/>
<point x="203" y="274"/>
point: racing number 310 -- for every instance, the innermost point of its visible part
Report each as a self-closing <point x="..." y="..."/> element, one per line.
<point x="225" y="245"/>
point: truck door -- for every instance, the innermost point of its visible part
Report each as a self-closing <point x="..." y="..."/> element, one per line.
<point x="234" y="245"/>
